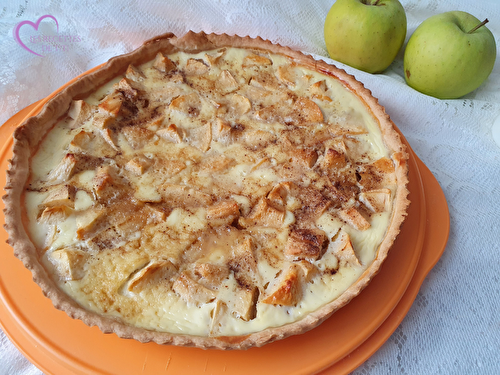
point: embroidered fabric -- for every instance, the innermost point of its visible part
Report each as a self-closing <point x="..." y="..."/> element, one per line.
<point x="454" y="325"/>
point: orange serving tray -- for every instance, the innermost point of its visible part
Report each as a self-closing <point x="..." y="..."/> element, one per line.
<point x="58" y="344"/>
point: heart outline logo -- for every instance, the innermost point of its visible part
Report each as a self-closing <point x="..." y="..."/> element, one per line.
<point x="35" y="26"/>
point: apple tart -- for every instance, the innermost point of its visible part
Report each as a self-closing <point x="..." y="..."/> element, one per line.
<point x="209" y="190"/>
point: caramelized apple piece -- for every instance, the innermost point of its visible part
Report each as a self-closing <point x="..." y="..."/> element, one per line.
<point x="214" y="163"/>
<point x="354" y="218"/>
<point x="378" y="174"/>
<point x="138" y="165"/>
<point x="171" y="134"/>
<point x="221" y="131"/>
<point x="226" y="83"/>
<point x="91" y="144"/>
<point x="264" y="214"/>
<point x="305" y="156"/>
<point x="257" y="95"/>
<point x="154" y="272"/>
<point x="180" y="195"/>
<point x="189" y="104"/>
<point x="195" y="67"/>
<point x="244" y="264"/>
<point x="137" y="137"/>
<point x="306" y="111"/>
<point x="134" y="74"/>
<point x="243" y="305"/>
<point x="156" y="213"/>
<point x="286" y="289"/>
<point x="279" y="194"/>
<point x="306" y="244"/>
<point x="215" y="59"/>
<point x="89" y="222"/>
<point x="286" y="74"/>
<point x="299" y="154"/>
<point x="255" y="60"/>
<point x="61" y="196"/>
<point x="318" y="91"/>
<point x="167" y="167"/>
<point x="219" y="314"/>
<point x="127" y="89"/>
<point x="314" y="204"/>
<point x="258" y="138"/>
<point x="376" y="200"/>
<point x="308" y="270"/>
<point x="344" y="251"/>
<point x="105" y="179"/>
<point x="264" y="80"/>
<point x="63" y="171"/>
<point x="163" y="63"/>
<point x="201" y="137"/>
<point x="211" y="275"/>
<point x="383" y="165"/>
<point x="155" y="124"/>
<point x="109" y="137"/>
<point x="338" y="196"/>
<point x="191" y="291"/>
<point x="112" y="104"/>
<point x="240" y="104"/>
<point x="80" y="112"/>
<point x="103" y="120"/>
<point x="69" y="264"/>
<point x="55" y="214"/>
<point x="224" y="212"/>
<point x="333" y="159"/>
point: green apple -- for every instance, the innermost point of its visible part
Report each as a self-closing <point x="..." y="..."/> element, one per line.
<point x="449" y="55"/>
<point x="365" y="34"/>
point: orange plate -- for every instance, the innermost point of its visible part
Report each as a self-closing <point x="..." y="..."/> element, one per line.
<point x="58" y="344"/>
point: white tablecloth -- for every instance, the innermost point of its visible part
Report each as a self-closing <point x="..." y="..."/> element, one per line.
<point x="454" y="325"/>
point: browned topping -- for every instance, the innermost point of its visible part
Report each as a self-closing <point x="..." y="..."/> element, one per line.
<point x="207" y="200"/>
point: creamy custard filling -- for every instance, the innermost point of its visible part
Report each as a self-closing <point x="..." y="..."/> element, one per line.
<point x="213" y="194"/>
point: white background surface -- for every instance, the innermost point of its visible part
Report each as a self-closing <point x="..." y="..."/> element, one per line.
<point x="454" y="325"/>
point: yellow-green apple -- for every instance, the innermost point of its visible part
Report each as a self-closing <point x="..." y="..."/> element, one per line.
<point x="365" y="34"/>
<point x="449" y="55"/>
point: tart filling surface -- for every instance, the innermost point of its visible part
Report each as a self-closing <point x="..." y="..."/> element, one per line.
<point x="214" y="191"/>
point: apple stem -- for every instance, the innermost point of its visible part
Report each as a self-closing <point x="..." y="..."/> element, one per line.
<point x="376" y="2"/>
<point x="478" y="26"/>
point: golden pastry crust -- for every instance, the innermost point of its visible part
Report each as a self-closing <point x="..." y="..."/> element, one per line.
<point x="304" y="245"/>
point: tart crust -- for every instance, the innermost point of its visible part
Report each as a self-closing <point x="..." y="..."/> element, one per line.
<point x="30" y="134"/>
